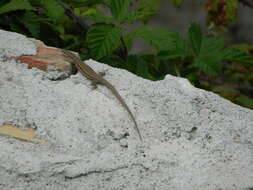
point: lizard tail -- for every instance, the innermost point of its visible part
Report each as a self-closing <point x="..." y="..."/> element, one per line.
<point x="122" y="101"/>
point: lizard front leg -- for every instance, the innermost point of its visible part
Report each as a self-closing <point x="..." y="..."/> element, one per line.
<point x="94" y="83"/>
<point x="102" y="74"/>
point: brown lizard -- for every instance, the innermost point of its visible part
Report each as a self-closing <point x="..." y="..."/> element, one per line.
<point x="89" y="73"/>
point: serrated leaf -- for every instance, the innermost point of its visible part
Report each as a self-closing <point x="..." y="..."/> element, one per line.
<point x="82" y="3"/>
<point x="209" y="64"/>
<point x="210" y="45"/>
<point x="213" y="52"/>
<point x="119" y="8"/>
<point x="138" y="32"/>
<point x="133" y="16"/>
<point x="148" y="8"/>
<point x="15" y="5"/>
<point x="237" y="55"/>
<point x="160" y="39"/>
<point x="195" y="38"/>
<point x="31" y="22"/>
<point x="180" y="50"/>
<point x="243" y="47"/>
<point x="210" y="55"/>
<point x="53" y="10"/>
<point x="103" y="39"/>
<point x="95" y="15"/>
<point x="139" y="65"/>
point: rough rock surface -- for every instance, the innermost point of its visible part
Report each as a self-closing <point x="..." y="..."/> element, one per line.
<point x="193" y="139"/>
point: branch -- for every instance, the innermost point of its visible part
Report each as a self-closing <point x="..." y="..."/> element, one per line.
<point x="124" y="50"/>
<point x="77" y="19"/>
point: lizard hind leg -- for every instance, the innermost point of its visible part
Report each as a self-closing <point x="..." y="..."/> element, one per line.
<point x="95" y="83"/>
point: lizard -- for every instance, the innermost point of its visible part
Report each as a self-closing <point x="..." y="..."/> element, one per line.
<point x="90" y="74"/>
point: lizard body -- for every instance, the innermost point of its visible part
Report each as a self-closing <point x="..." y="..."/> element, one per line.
<point x="89" y="73"/>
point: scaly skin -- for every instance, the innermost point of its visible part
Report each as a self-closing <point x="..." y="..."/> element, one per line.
<point x="89" y="73"/>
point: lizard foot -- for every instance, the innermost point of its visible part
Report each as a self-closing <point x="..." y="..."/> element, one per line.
<point x="102" y="74"/>
<point x="94" y="84"/>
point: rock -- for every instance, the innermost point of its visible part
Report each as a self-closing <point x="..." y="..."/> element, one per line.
<point x="193" y="139"/>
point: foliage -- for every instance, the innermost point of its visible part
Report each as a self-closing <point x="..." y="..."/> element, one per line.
<point x="16" y="5"/>
<point x="222" y="12"/>
<point x="97" y="29"/>
<point x="103" y="39"/>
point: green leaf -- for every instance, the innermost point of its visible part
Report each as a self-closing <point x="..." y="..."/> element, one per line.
<point x="185" y="48"/>
<point x="178" y="3"/>
<point x="237" y="55"/>
<point x="15" y="5"/>
<point x="31" y="22"/>
<point x="148" y="8"/>
<point x="119" y="8"/>
<point x="160" y="39"/>
<point x="243" y="47"/>
<point x="138" y="32"/>
<point x="35" y="3"/>
<point x="53" y="10"/>
<point x="82" y="3"/>
<point x="142" y="68"/>
<point x="180" y="50"/>
<point x="245" y="101"/>
<point x="213" y="52"/>
<point x="103" y="39"/>
<point x="208" y="64"/>
<point x="133" y="16"/>
<point x="95" y="15"/>
<point x="210" y="56"/>
<point x="212" y="45"/>
<point x="195" y="38"/>
<point x="140" y="65"/>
